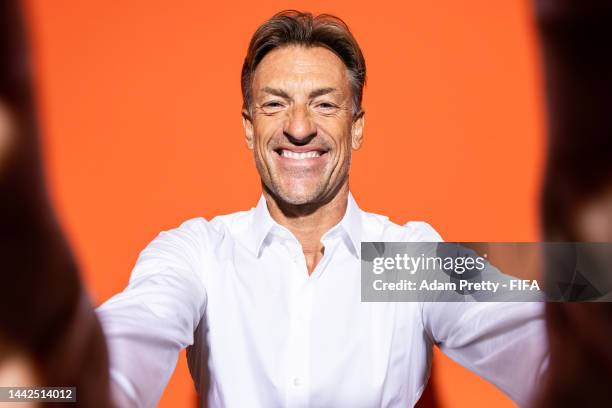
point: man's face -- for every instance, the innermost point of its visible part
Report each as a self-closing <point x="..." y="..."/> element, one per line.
<point x="301" y="126"/>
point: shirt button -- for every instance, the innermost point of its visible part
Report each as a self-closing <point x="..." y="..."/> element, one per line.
<point x="297" y="382"/>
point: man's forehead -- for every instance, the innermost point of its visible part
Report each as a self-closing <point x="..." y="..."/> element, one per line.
<point x="301" y="67"/>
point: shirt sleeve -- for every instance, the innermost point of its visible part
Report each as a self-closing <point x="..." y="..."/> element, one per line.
<point x="154" y="317"/>
<point x="503" y="342"/>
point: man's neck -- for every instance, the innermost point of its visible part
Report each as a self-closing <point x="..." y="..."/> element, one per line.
<point x="309" y="224"/>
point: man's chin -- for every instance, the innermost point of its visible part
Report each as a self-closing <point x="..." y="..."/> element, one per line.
<point x="298" y="199"/>
<point x="298" y="195"/>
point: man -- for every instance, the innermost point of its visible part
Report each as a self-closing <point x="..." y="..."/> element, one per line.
<point x="267" y="301"/>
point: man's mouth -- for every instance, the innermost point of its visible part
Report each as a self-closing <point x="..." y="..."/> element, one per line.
<point x="302" y="155"/>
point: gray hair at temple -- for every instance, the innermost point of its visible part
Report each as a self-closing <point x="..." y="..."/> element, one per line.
<point x="291" y="27"/>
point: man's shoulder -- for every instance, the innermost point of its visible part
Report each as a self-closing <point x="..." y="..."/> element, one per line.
<point x="383" y="229"/>
<point x="213" y="230"/>
<point x="217" y="223"/>
<point x="191" y="232"/>
<point x="422" y="231"/>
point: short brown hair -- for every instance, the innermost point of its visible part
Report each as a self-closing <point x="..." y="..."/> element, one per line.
<point x="291" y="27"/>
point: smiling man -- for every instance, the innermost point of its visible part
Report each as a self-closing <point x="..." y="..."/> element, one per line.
<point x="301" y="123"/>
<point x="268" y="301"/>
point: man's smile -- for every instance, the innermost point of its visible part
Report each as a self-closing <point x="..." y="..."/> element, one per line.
<point x="302" y="156"/>
<point x="299" y="156"/>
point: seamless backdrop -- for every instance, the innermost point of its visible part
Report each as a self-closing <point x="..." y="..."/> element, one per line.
<point x="140" y="105"/>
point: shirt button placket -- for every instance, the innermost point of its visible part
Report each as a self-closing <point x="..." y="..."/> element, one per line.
<point x="298" y="387"/>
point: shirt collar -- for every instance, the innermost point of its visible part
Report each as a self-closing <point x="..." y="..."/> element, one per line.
<point x="351" y="225"/>
<point x="262" y="224"/>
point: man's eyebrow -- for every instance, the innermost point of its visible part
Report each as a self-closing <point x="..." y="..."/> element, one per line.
<point x="321" y="92"/>
<point x="316" y="93"/>
<point x="276" y="92"/>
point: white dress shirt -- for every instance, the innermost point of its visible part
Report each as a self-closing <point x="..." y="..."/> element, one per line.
<point x="262" y="332"/>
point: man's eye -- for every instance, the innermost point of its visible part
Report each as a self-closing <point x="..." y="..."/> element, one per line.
<point x="326" y="106"/>
<point x="273" y="105"/>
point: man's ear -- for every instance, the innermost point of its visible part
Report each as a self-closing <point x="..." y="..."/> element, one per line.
<point x="357" y="130"/>
<point x="247" y="123"/>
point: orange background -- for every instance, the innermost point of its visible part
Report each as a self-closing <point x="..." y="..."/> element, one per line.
<point x="140" y="105"/>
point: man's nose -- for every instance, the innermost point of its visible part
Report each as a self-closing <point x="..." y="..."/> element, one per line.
<point x="300" y="128"/>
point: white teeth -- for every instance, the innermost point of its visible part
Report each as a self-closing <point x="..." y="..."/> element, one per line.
<point x="300" y="156"/>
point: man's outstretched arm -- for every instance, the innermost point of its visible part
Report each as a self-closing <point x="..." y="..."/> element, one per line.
<point x="153" y="319"/>
<point x="503" y="342"/>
